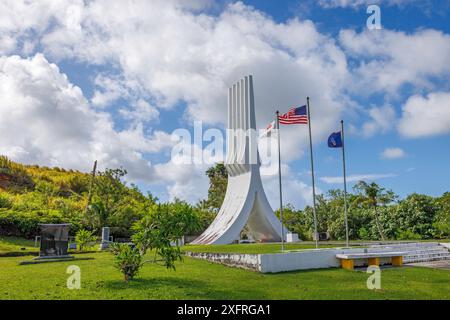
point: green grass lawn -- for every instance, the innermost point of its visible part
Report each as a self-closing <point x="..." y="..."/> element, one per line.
<point x="198" y="279"/>
<point x="12" y="245"/>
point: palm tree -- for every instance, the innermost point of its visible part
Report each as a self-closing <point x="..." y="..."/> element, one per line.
<point x="98" y="215"/>
<point x="372" y="195"/>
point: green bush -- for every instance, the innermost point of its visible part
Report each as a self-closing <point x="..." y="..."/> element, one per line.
<point x="408" y="235"/>
<point x="364" y="234"/>
<point x="161" y="230"/>
<point x="5" y="201"/>
<point x="85" y="239"/>
<point x="128" y="260"/>
<point x="442" y="218"/>
<point x="26" y="224"/>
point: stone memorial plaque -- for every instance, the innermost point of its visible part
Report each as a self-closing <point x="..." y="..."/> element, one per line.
<point x="54" y="240"/>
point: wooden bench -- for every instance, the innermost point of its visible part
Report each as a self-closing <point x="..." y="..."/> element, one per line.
<point x="348" y="259"/>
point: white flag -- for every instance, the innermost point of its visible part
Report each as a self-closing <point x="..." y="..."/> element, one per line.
<point x="268" y="130"/>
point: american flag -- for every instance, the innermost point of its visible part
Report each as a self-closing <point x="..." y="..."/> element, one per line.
<point x="294" y="116"/>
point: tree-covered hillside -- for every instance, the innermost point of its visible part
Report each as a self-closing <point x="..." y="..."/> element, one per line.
<point x="30" y="195"/>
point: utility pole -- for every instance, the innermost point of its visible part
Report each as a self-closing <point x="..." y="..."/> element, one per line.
<point x="91" y="184"/>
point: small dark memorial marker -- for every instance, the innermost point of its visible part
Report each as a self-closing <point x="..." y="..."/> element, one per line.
<point x="54" y="240"/>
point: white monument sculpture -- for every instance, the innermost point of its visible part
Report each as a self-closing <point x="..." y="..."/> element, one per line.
<point x="245" y="203"/>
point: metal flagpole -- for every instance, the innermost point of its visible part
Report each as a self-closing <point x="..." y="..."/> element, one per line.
<point x="279" y="180"/>
<point x="345" y="183"/>
<point x="316" y="235"/>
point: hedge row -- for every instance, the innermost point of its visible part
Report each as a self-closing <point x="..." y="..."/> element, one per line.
<point x="26" y="224"/>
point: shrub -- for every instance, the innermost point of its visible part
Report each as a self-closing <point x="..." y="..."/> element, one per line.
<point x="26" y="223"/>
<point x="161" y="230"/>
<point x="442" y="225"/>
<point x="5" y="201"/>
<point x="78" y="183"/>
<point x="363" y="234"/>
<point x="408" y="235"/>
<point x="128" y="260"/>
<point x="442" y="218"/>
<point x="85" y="239"/>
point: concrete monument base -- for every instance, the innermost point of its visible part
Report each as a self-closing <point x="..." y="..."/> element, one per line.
<point x="292" y="237"/>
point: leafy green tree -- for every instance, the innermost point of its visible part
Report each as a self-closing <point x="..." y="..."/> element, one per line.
<point x="205" y="215"/>
<point x="109" y="189"/>
<point x="161" y="229"/>
<point x="357" y="217"/>
<point x="218" y="180"/>
<point x="97" y="215"/>
<point x="442" y="217"/>
<point x="372" y="196"/>
<point x="296" y="221"/>
<point x="414" y="216"/>
<point x="184" y="218"/>
<point x="115" y="204"/>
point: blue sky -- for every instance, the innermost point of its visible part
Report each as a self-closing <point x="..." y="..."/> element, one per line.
<point x="112" y="80"/>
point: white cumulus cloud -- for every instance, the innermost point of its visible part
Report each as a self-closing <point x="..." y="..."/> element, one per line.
<point x="426" y="116"/>
<point x="382" y="119"/>
<point x="162" y="53"/>
<point x="192" y="57"/>
<point x="388" y="59"/>
<point x="45" y="119"/>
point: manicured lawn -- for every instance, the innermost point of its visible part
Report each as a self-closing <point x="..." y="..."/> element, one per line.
<point x="12" y="245"/>
<point x="196" y="279"/>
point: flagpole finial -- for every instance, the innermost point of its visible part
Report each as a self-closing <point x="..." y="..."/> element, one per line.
<point x="342" y="121"/>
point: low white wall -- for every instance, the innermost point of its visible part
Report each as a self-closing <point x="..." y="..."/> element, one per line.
<point x="289" y="261"/>
<point x="311" y="259"/>
<point x="245" y="261"/>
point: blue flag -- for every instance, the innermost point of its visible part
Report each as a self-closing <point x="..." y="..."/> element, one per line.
<point x="335" y="140"/>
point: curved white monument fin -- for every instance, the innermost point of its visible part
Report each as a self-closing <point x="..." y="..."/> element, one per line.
<point x="245" y="202"/>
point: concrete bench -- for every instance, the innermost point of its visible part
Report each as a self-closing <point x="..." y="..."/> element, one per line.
<point x="348" y="259"/>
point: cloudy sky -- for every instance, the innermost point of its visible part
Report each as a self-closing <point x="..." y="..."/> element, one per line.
<point x="112" y="79"/>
